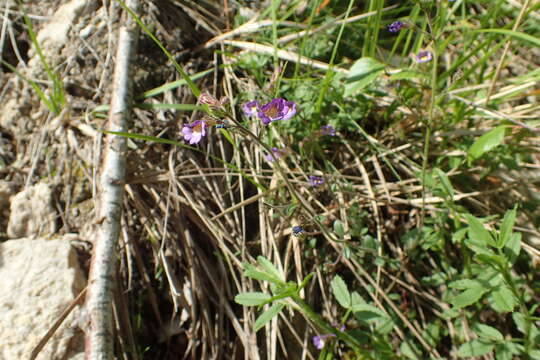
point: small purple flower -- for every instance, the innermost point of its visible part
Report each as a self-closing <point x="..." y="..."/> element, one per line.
<point x="277" y="109"/>
<point x="396" y="26"/>
<point x="297" y="230"/>
<point x="320" y="340"/>
<point x="194" y="132"/>
<point x="423" y="56"/>
<point x="328" y="130"/>
<point x="251" y="108"/>
<point x="277" y="154"/>
<point x="315" y="180"/>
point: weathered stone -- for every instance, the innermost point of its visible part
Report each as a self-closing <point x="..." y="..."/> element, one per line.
<point x="40" y="279"/>
<point x="32" y="212"/>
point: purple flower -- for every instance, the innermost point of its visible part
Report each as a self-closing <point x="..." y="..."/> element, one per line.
<point x="251" y="108"/>
<point x="277" y="154"/>
<point x="297" y="230"/>
<point x="328" y="130"/>
<point x="423" y="56"/>
<point x="277" y="109"/>
<point x="396" y="26"/>
<point x="315" y="180"/>
<point x="320" y="340"/>
<point x="194" y="132"/>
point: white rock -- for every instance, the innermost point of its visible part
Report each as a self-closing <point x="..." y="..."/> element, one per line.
<point x="40" y="278"/>
<point x="32" y="212"/>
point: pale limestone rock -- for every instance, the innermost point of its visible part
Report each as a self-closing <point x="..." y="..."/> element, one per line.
<point x="40" y="278"/>
<point x="32" y="212"/>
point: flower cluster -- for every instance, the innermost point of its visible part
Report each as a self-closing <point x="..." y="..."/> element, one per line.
<point x="277" y="109"/>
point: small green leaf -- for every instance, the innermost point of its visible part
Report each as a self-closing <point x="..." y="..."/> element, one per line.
<point x="479" y="237"/>
<point x="468" y="297"/>
<point x="502" y="352"/>
<point x="356" y="299"/>
<point x="506" y="228"/>
<point x="535" y="354"/>
<point x="363" y="72"/>
<point x="266" y="316"/>
<point x="465" y="284"/>
<point x="252" y="298"/>
<point x="488" y="332"/>
<point x="513" y="247"/>
<point x="270" y="268"/>
<point x="341" y="292"/>
<point x="339" y="229"/>
<point x="254" y="273"/>
<point x="513" y="33"/>
<point x="445" y="182"/>
<point x="487" y="142"/>
<point x="475" y="347"/>
<point x="368" y="312"/>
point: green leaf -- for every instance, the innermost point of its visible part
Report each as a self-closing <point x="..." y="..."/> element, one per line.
<point x="513" y="247"/>
<point x="506" y="228"/>
<point x="445" y="182"/>
<point x="503" y="300"/>
<point x="363" y="72"/>
<point x="535" y="354"/>
<point x="488" y="332"/>
<point x="516" y="34"/>
<point x="502" y="352"/>
<point x="356" y="299"/>
<point x="468" y="297"/>
<point x="339" y="229"/>
<point x="475" y="347"/>
<point x="465" y="284"/>
<point x="368" y="312"/>
<point x="252" y="298"/>
<point x="487" y="142"/>
<point x="270" y="268"/>
<point x="254" y="273"/>
<point x="479" y="237"/>
<point x="266" y="316"/>
<point x="407" y="74"/>
<point x="339" y="288"/>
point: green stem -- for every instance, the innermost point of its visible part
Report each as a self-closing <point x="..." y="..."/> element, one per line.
<point x="308" y="312"/>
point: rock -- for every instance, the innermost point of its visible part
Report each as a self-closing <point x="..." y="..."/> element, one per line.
<point x="40" y="279"/>
<point x="7" y="189"/>
<point x="32" y="212"/>
<point x="55" y="34"/>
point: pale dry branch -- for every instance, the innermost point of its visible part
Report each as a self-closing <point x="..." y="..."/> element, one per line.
<point x="99" y="337"/>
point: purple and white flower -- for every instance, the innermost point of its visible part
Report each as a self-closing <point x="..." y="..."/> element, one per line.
<point x="423" y="56"/>
<point x="315" y="180"/>
<point x="194" y="132"/>
<point x="396" y="26"/>
<point x="328" y="130"/>
<point x="277" y="154"/>
<point x="277" y="109"/>
<point x="251" y="108"/>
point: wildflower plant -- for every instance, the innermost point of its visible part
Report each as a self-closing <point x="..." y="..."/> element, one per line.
<point x="391" y="222"/>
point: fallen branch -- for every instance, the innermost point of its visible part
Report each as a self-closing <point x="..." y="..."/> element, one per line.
<point x="99" y="337"/>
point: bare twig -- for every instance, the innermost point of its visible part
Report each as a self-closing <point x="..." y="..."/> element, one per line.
<point x="99" y="339"/>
